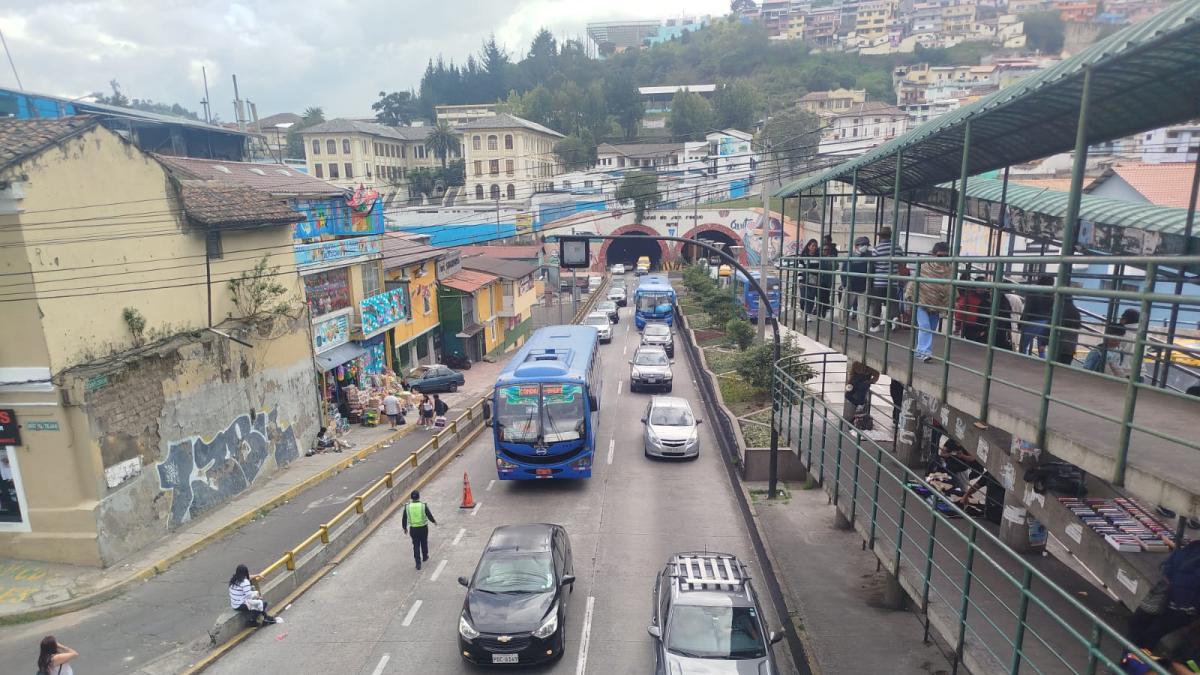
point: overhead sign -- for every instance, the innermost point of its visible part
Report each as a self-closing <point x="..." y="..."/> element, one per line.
<point x="10" y="431"/>
<point x="573" y="252"/>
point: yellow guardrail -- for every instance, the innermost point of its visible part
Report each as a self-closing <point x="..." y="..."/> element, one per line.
<point x="357" y="505"/>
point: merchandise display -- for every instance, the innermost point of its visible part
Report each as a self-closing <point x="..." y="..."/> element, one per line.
<point x="1124" y="523"/>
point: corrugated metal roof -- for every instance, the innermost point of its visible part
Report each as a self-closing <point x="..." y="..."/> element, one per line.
<point x="1143" y="77"/>
<point x="468" y="281"/>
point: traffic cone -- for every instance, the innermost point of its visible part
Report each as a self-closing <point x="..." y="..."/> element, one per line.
<point x="468" y="501"/>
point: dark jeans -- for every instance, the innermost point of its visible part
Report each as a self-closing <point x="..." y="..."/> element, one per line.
<point x="252" y="615"/>
<point x="1145" y="630"/>
<point x="1039" y="331"/>
<point x="420" y="542"/>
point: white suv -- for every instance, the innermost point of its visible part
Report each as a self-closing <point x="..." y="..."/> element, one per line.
<point x="602" y="323"/>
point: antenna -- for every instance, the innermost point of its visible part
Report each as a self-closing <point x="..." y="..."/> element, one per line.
<point x="204" y="73"/>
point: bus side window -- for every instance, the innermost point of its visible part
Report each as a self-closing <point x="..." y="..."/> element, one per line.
<point x="593" y="404"/>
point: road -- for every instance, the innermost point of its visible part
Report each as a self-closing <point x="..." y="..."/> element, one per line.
<point x="379" y="615"/>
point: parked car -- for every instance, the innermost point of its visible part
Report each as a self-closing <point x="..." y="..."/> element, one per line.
<point x="657" y="334"/>
<point x="594" y="283"/>
<point x="618" y="269"/>
<point x="650" y="367"/>
<point x="671" y="428"/>
<point x="515" y="611"/>
<point x="602" y="323"/>
<point x="617" y="295"/>
<point x="610" y="308"/>
<point x="706" y="618"/>
<point x="435" y="377"/>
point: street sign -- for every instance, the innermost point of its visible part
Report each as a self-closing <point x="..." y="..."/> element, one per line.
<point x="573" y="252"/>
<point x="10" y="431"/>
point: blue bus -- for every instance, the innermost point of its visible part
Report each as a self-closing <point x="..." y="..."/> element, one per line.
<point x="546" y="405"/>
<point x="654" y="300"/>
<point x="748" y="299"/>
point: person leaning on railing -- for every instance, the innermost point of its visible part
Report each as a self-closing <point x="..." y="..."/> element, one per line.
<point x="931" y="299"/>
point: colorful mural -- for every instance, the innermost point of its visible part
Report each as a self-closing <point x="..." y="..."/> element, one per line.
<point x="331" y="332"/>
<point x="323" y="252"/>
<point x="375" y="360"/>
<point x="334" y="217"/>
<point x="382" y="310"/>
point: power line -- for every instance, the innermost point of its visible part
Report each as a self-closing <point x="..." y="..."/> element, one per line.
<point x="12" y="65"/>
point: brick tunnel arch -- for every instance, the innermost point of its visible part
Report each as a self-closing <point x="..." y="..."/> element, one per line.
<point x="711" y="232"/>
<point x="627" y="249"/>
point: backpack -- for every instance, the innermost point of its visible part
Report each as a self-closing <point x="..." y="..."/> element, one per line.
<point x="1059" y="477"/>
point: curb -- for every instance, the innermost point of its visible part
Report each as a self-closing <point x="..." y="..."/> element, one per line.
<point x="162" y="565"/>
<point x="212" y="657"/>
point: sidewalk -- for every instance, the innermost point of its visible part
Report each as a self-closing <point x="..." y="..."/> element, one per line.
<point x="31" y="590"/>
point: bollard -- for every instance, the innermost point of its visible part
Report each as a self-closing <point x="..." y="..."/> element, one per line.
<point x="391" y="479"/>
<point x="325" y="534"/>
<point x="291" y="561"/>
<point x="358" y="504"/>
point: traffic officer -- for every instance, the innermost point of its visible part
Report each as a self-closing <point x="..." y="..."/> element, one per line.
<point x="417" y="516"/>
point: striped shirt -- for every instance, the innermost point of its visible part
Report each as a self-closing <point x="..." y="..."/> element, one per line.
<point x="239" y="593"/>
<point x="881" y="268"/>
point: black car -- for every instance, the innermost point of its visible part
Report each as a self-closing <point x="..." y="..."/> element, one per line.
<point x="515" y="611"/>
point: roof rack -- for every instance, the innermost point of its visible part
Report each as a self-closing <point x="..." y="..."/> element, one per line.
<point x="709" y="571"/>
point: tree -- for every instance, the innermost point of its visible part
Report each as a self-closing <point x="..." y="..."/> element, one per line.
<point x="624" y="102"/>
<point x="756" y="365"/>
<point x="640" y="187"/>
<point x="576" y="153"/>
<point x="736" y="105"/>
<point x="442" y="140"/>
<point x="495" y="65"/>
<point x="396" y="109"/>
<point x="421" y="181"/>
<point x="542" y="60"/>
<point x="1044" y="32"/>
<point x="740" y="333"/>
<point x="455" y="173"/>
<point x="117" y="98"/>
<point x="312" y="116"/>
<point x="259" y="294"/>
<point x="792" y="137"/>
<point x="691" y="116"/>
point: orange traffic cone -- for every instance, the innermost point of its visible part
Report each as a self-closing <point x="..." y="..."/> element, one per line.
<point x="468" y="501"/>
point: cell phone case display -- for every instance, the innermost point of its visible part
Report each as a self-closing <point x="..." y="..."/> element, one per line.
<point x="1125" y="524"/>
<point x="327" y="291"/>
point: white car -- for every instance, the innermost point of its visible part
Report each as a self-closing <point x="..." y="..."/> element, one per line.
<point x="618" y="269"/>
<point x="595" y="283"/>
<point x="602" y="323"/>
<point x="617" y="295"/>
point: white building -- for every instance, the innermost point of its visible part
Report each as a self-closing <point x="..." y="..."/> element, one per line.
<point x="1179" y="143"/>
<point x="863" y="127"/>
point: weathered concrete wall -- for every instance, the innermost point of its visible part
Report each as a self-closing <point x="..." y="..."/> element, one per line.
<point x="190" y="427"/>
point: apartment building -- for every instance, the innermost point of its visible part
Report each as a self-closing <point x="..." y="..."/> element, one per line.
<point x="455" y="115"/>
<point x="872" y="21"/>
<point x="508" y="158"/>
<point x="832" y="102"/>
<point x="350" y="153"/>
<point x="864" y="126"/>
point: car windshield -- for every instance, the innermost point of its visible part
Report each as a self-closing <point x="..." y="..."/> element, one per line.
<point x="515" y="573"/>
<point x="654" y="302"/>
<point x="656" y="330"/>
<point x="594" y="320"/>
<point x="553" y="412"/>
<point x="606" y="305"/>
<point x="716" y="632"/>
<point x="671" y="416"/>
<point x="650" y="358"/>
<point x="564" y="410"/>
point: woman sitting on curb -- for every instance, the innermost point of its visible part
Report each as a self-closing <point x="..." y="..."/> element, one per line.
<point x="246" y="599"/>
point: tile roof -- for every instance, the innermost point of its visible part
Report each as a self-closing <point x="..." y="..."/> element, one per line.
<point x="1161" y="184"/>
<point x="501" y="267"/>
<point x="229" y="205"/>
<point x="24" y="138"/>
<point x="468" y="281"/>
<point x="506" y="121"/>
<point x="400" y="249"/>
<point x="345" y="126"/>
<point x="276" y="179"/>
<point x="872" y="108"/>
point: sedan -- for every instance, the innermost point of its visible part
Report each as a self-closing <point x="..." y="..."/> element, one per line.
<point x="610" y="308"/>
<point x="650" y="367"/>
<point x="602" y="323"/>
<point x="617" y="295"/>
<point x="436" y="377"/>
<point x="618" y="269"/>
<point x="515" y="611"/>
<point x="658" y="334"/>
<point x="671" y="428"/>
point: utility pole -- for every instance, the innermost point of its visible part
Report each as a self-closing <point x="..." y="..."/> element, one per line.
<point x="764" y="235"/>
<point x="207" y="116"/>
<point x="237" y="107"/>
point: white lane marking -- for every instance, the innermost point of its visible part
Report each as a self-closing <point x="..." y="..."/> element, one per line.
<point x="475" y="510"/>
<point x="581" y="664"/>
<point x="619" y="383"/>
<point x="382" y="664"/>
<point x="412" y="613"/>
<point x="490" y="484"/>
<point x="437" y="572"/>
<point x="611" y="445"/>
<point x="458" y="537"/>
<point x="625" y="349"/>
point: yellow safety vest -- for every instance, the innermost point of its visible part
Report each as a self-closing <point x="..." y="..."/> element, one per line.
<point x="416" y="514"/>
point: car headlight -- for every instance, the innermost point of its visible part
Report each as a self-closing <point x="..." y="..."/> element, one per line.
<point x="635" y="374"/>
<point x="549" y="627"/>
<point x="465" y="628"/>
<point x="693" y="439"/>
<point x="668" y="377"/>
<point x="650" y="433"/>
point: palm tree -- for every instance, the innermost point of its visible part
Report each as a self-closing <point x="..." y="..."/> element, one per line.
<point x="442" y="140"/>
<point x="313" y="115"/>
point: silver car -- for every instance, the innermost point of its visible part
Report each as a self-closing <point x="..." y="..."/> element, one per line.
<point x="602" y="323"/>
<point x="617" y="295"/>
<point x="650" y="367"/>
<point x="610" y="308"/>
<point x="658" y="334"/>
<point x="671" y="428"/>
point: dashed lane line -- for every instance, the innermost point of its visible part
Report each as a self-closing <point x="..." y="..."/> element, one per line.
<point x="619" y="383"/>
<point x="438" y="572"/>
<point x="611" y="444"/>
<point x="458" y="537"/>
<point x="382" y="664"/>
<point x="475" y="511"/>
<point x="585" y="640"/>
<point x="490" y="484"/>
<point x="412" y="613"/>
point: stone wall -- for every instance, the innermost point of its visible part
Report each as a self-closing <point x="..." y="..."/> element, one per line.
<point x="186" y="427"/>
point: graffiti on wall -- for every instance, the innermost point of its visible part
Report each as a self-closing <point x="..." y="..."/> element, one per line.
<point x="201" y="474"/>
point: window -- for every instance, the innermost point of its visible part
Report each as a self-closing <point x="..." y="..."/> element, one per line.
<point x="479" y="167"/>
<point x="475" y="142"/>
<point x="376" y="148"/>
<point x="495" y="192"/>
<point x="493" y="142"/>
<point x="316" y="147"/>
<point x="378" y="171"/>
<point x="212" y="246"/>
<point x="494" y="167"/>
<point x="587" y="183"/>
<point x="372" y="278"/>
<point x="512" y="191"/>
<point x="508" y="167"/>
<point x="320" y="169"/>
<point x="421" y="151"/>
<point x="346" y="146"/>
<point x="363" y="143"/>
<point x="478" y="191"/>
<point x="333" y="169"/>
<point x="508" y="142"/>
<point x="330" y="147"/>
<point x="349" y="169"/>
<point x="327" y="291"/>
<point x="403" y="152"/>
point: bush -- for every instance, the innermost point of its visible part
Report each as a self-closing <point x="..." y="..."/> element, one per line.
<point x="740" y="333"/>
<point x="757" y="364"/>
<point x="719" y="305"/>
<point x="696" y="280"/>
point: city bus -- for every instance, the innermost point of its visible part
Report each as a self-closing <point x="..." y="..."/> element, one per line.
<point x="748" y="298"/>
<point x="654" y="300"/>
<point x="546" y="406"/>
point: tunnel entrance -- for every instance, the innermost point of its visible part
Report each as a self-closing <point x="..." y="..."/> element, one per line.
<point x="628" y="247"/>
<point x="716" y="238"/>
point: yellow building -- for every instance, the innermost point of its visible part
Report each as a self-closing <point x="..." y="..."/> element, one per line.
<point x="469" y="303"/>
<point x="146" y="389"/>
<point x="795" y="26"/>
<point x="518" y="291"/>
<point x="508" y="158"/>
<point x="832" y="102"/>
<point x="411" y="265"/>
<point x="873" y="20"/>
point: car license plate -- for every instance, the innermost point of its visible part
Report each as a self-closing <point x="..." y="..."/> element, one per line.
<point x="543" y="472"/>
<point x="652" y="380"/>
<point x="504" y="658"/>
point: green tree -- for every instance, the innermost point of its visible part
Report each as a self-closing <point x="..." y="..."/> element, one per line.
<point x="442" y="140"/>
<point x="720" y="306"/>
<point x="756" y="365"/>
<point x="494" y="66"/>
<point x="454" y="173"/>
<point x="740" y="333"/>
<point x="117" y="98"/>
<point x="624" y="102"/>
<point x="691" y="116"/>
<point x="792" y="136"/>
<point x="640" y="187"/>
<point x="397" y="109"/>
<point x="576" y="153"/>
<point x="421" y="181"/>
<point x="1044" y="32"/>
<point x="736" y="105"/>
<point x="312" y="116"/>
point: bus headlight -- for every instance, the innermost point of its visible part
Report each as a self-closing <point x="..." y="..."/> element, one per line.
<point x="504" y="465"/>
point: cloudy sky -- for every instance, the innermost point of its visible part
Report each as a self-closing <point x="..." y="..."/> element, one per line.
<point x="287" y="54"/>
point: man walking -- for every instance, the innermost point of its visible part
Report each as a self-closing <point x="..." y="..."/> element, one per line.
<point x="415" y="522"/>
<point x="855" y="282"/>
<point x="391" y="408"/>
<point x="882" y="307"/>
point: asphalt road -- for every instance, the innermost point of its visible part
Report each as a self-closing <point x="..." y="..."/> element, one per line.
<point x="377" y="614"/>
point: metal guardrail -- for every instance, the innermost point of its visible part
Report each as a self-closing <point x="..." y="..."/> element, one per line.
<point x="995" y="609"/>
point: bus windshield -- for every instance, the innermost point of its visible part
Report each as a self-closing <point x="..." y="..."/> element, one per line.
<point x="654" y="302"/>
<point x="552" y="413"/>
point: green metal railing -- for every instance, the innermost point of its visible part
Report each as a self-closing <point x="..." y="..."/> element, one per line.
<point x="990" y="605"/>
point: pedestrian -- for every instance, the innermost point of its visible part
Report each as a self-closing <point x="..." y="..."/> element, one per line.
<point x="828" y="267"/>
<point x="1070" y="322"/>
<point x="327" y="441"/>
<point x="246" y="599"/>
<point x="1106" y="356"/>
<point x="882" y="307"/>
<point x="1035" y="320"/>
<point x="811" y="265"/>
<point x="1130" y="317"/>
<point x="55" y="658"/>
<point x="1004" y="315"/>
<point x="391" y="408"/>
<point x="440" y="408"/>
<point x="426" y="410"/>
<point x="896" y="389"/>
<point x="1173" y="602"/>
<point x="415" y="521"/>
<point x="972" y="307"/>
<point x="930" y="300"/>
<point x="855" y="284"/>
